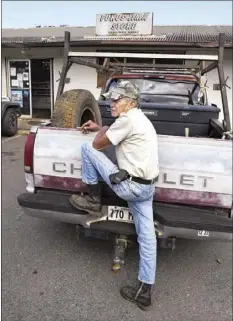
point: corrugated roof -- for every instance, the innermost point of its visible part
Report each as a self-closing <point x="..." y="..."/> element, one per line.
<point x="174" y="34"/>
<point x="57" y="32"/>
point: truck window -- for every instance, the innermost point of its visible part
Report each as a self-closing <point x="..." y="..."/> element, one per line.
<point x="163" y="87"/>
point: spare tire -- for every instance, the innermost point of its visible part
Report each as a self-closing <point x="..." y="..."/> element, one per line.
<point x="75" y="107"/>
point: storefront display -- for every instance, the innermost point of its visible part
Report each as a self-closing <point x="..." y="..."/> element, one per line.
<point x="20" y="84"/>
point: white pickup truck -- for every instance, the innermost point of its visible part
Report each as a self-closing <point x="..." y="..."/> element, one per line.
<point x="193" y="197"/>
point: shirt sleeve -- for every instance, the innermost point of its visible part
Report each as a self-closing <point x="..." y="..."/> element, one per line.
<point x="119" y="130"/>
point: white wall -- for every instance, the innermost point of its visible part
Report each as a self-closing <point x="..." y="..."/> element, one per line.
<point x="4" y="86"/>
<point x="81" y="77"/>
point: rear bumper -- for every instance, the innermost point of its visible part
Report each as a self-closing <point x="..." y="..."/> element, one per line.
<point x="170" y="221"/>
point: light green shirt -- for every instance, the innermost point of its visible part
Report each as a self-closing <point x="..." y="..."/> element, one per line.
<point x="136" y="144"/>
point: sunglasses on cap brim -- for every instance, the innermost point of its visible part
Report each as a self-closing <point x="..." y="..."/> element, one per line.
<point x="117" y="97"/>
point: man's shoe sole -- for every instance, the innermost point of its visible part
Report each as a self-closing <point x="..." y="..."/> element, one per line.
<point x="96" y="214"/>
<point x="142" y="307"/>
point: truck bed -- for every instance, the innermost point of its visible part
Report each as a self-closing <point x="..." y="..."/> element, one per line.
<point x="171" y="118"/>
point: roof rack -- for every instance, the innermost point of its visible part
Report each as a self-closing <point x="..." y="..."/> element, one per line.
<point x="163" y="71"/>
<point x="143" y="55"/>
<point x="86" y="59"/>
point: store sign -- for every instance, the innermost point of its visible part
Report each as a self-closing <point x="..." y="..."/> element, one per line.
<point x="119" y="24"/>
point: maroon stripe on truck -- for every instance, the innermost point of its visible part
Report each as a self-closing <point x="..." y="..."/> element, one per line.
<point x="161" y="194"/>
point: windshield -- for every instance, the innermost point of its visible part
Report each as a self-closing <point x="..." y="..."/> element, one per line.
<point x="162" y="87"/>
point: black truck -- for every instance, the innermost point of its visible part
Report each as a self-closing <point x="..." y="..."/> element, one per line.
<point x="10" y="113"/>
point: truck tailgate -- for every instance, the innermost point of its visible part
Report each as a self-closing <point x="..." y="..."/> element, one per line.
<point x="195" y="171"/>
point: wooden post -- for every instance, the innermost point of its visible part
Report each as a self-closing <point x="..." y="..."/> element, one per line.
<point x="222" y="81"/>
<point x="208" y="68"/>
<point x="65" y="66"/>
<point x="106" y="75"/>
<point x="87" y="63"/>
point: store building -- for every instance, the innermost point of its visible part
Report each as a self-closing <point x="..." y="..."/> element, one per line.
<point x="32" y="59"/>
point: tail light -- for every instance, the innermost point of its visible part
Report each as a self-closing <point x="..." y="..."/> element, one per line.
<point x="28" y="153"/>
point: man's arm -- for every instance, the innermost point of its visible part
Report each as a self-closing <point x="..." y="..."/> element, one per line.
<point x="112" y="135"/>
<point x="101" y="140"/>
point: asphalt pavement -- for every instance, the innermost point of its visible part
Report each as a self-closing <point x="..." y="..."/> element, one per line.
<point x="47" y="274"/>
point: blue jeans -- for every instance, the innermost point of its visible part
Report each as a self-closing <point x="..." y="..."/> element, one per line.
<point x="139" y="197"/>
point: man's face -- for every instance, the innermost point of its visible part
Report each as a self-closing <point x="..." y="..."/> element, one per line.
<point x="120" y="106"/>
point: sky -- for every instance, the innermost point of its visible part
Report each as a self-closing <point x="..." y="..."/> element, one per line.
<point x="26" y="14"/>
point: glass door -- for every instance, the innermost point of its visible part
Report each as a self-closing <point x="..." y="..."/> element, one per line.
<point x="20" y="84"/>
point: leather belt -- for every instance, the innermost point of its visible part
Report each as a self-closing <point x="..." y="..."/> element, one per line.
<point x="142" y="180"/>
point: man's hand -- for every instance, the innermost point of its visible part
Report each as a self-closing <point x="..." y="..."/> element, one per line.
<point x="90" y="126"/>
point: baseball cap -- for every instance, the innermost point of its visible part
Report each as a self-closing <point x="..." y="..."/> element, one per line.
<point x="124" y="89"/>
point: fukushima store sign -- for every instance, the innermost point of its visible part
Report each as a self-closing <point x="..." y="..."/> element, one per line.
<point x="119" y="24"/>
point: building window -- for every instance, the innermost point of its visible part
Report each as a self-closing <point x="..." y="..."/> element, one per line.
<point x="160" y="61"/>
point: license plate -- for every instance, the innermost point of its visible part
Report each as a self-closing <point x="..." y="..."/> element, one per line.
<point x="120" y="214"/>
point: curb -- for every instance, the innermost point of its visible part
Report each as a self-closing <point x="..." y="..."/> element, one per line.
<point x="23" y="131"/>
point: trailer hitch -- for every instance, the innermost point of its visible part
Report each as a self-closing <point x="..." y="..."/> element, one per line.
<point x="121" y="244"/>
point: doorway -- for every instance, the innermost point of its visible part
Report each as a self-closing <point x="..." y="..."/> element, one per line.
<point x="41" y="88"/>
